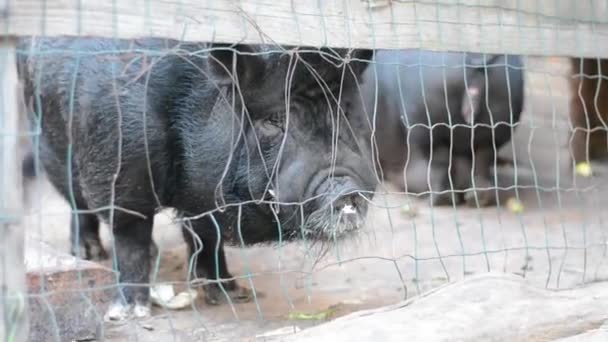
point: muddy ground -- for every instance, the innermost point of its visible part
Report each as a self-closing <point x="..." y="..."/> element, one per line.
<point x="558" y="241"/>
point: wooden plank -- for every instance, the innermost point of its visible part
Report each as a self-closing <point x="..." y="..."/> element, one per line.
<point x="488" y="307"/>
<point x="595" y="335"/>
<point x="68" y="296"/>
<point x="543" y="27"/>
<point x="13" y="318"/>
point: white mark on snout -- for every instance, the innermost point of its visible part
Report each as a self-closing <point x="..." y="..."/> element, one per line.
<point x="275" y="206"/>
<point x="348" y="210"/>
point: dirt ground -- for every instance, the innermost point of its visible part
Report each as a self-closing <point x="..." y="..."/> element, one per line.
<point x="558" y="241"/>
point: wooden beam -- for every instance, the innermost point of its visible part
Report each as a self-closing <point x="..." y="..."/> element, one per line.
<point x="543" y="27"/>
<point x="485" y="307"/>
<point x="13" y="294"/>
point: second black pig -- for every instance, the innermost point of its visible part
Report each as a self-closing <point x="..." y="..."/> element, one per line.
<point x="450" y="116"/>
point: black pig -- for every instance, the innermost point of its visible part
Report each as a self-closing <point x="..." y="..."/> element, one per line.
<point x="588" y="109"/>
<point x="193" y="129"/>
<point x="419" y="89"/>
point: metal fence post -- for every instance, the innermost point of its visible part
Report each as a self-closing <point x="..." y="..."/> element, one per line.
<point x="13" y="317"/>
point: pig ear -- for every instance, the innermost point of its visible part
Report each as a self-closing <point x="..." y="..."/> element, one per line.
<point x="475" y="60"/>
<point x="359" y="59"/>
<point x="362" y="60"/>
<point x="235" y="62"/>
<point x="364" y="55"/>
<point x="480" y="61"/>
<point x="471" y="99"/>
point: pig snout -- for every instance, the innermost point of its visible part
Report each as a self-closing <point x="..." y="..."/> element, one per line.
<point x="349" y="201"/>
<point x="341" y="209"/>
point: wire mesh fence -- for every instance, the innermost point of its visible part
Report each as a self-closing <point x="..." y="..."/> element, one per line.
<point x="217" y="191"/>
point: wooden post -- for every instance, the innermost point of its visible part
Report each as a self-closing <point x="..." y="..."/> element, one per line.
<point x="13" y="318"/>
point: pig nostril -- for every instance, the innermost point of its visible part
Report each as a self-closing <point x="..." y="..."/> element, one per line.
<point x="347" y="204"/>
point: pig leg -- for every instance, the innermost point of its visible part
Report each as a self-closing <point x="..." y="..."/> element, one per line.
<point x="482" y="185"/>
<point x="424" y="175"/>
<point x="580" y="109"/>
<point x="28" y="168"/>
<point x="210" y="261"/>
<point x="588" y="111"/>
<point x="85" y="241"/>
<point x="84" y="237"/>
<point x="132" y="241"/>
<point x="441" y="169"/>
<point x="461" y="173"/>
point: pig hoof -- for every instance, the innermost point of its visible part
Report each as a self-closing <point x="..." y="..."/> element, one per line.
<point x="141" y="311"/>
<point x="444" y="199"/>
<point x="80" y="252"/>
<point x="484" y="198"/>
<point x="97" y="253"/>
<point x="120" y="312"/>
<point x="93" y="251"/>
<point x="215" y="296"/>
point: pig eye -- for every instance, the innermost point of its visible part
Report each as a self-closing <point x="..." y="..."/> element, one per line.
<point x="273" y="124"/>
<point x="346" y="108"/>
<point x="276" y="120"/>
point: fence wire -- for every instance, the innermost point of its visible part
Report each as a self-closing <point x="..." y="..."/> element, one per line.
<point x="313" y="182"/>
